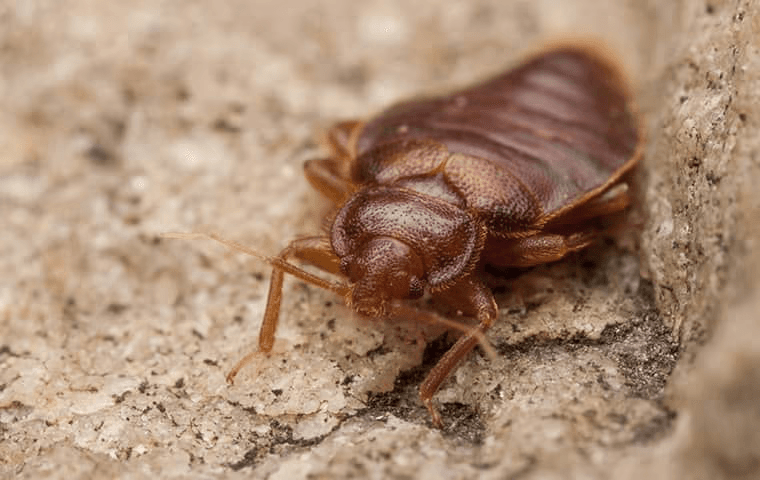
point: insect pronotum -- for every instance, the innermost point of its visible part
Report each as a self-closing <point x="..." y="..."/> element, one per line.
<point x="512" y="172"/>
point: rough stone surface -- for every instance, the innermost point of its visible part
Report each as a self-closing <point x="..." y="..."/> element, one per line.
<point x="122" y="120"/>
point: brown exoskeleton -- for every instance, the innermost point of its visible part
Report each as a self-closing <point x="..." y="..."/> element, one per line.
<point x="513" y="172"/>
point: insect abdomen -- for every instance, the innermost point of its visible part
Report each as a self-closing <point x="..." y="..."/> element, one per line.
<point x="558" y="127"/>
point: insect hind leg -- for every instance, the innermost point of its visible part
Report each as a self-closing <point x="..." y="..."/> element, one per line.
<point x="612" y="201"/>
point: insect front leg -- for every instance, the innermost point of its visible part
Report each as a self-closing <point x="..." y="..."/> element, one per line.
<point x="313" y="250"/>
<point x="474" y="298"/>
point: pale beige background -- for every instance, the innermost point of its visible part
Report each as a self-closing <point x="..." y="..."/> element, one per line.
<point x="120" y="120"/>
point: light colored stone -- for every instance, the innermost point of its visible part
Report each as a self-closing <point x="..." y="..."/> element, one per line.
<point x="119" y="121"/>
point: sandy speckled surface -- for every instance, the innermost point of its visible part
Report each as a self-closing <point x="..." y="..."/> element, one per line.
<point x="119" y="121"/>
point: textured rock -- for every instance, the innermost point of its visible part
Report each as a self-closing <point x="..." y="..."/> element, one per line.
<point x="120" y="121"/>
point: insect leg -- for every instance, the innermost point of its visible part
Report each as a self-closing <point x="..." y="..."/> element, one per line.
<point x="537" y="249"/>
<point x="341" y="138"/>
<point x="324" y="174"/>
<point x="479" y="300"/>
<point x="549" y="247"/>
<point x="313" y="250"/>
<point x="408" y="311"/>
<point x="612" y="201"/>
<point x="332" y="176"/>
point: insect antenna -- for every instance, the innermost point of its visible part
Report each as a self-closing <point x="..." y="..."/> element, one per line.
<point x="338" y="287"/>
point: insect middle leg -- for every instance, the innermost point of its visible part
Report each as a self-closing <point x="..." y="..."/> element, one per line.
<point x="313" y="250"/>
<point x="535" y="250"/>
<point x="332" y="176"/>
<point x="545" y="247"/>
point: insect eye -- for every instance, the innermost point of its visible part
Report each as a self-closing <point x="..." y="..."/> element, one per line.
<point x="416" y="288"/>
<point x="345" y="263"/>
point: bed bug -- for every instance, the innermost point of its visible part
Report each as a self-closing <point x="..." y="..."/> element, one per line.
<point x="516" y="171"/>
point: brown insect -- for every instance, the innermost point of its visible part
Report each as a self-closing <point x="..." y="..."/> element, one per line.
<point x="514" y="172"/>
